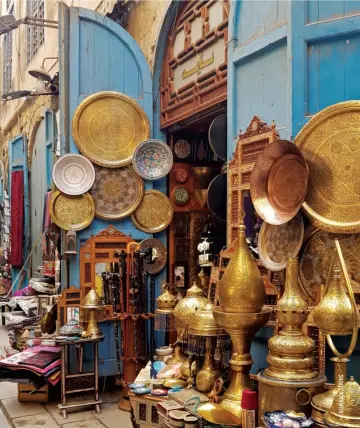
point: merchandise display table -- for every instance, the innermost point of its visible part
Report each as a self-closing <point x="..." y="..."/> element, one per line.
<point x="79" y="382"/>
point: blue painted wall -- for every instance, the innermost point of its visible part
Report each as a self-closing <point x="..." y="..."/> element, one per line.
<point x="287" y="61"/>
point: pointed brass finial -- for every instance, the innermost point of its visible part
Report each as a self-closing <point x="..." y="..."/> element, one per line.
<point x="242" y="215"/>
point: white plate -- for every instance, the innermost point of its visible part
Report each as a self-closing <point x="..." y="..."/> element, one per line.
<point x="73" y="174"/>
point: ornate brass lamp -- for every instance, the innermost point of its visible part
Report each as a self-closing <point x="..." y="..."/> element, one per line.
<point x="164" y="314"/>
<point x="206" y="338"/>
<point x="92" y="303"/>
<point x="337" y="314"/>
<point x="183" y="312"/>
<point x="290" y="380"/>
<point x="241" y="313"/>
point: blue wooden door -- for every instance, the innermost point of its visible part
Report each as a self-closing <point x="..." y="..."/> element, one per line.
<point x="18" y="161"/>
<point x="102" y="57"/>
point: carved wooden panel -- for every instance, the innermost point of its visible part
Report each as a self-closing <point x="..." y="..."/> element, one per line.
<point x="194" y="72"/>
<point x="249" y="145"/>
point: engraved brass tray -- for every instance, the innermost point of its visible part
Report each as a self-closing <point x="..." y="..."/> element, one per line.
<point x="108" y="126"/>
<point x="277" y="243"/>
<point x="72" y="212"/>
<point x="117" y="192"/>
<point x="155" y="212"/>
<point x="278" y="182"/>
<point x="157" y="261"/>
<point x="316" y="254"/>
<point x="330" y="143"/>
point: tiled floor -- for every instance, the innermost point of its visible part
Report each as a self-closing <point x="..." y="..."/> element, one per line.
<point x="34" y="415"/>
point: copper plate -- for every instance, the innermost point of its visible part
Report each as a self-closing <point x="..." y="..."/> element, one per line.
<point x="277" y="243"/>
<point x="316" y="255"/>
<point x="117" y="192"/>
<point x="159" y="255"/>
<point x="155" y="212"/>
<point x="330" y="142"/>
<point x="108" y="126"/>
<point x="72" y="212"/>
<point x="278" y="182"/>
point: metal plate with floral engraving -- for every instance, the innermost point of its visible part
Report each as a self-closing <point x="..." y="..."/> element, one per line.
<point x="108" y="126"/>
<point x="155" y="212"/>
<point x="157" y="259"/>
<point x="152" y="159"/>
<point x="72" y="212"/>
<point x="117" y="192"/>
<point x="73" y="174"/>
<point x="330" y="143"/>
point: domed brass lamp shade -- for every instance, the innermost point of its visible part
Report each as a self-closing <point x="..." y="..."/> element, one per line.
<point x="92" y="303"/>
<point x="345" y="410"/>
<point x="193" y="301"/>
<point x="164" y="314"/>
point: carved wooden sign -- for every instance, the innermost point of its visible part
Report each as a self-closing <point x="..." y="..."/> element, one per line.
<point x="248" y="147"/>
<point x="194" y="71"/>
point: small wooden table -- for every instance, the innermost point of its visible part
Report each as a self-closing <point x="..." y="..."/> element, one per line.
<point x="81" y="381"/>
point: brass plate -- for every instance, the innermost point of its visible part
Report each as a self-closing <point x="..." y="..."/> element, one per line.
<point x="117" y="192"/>
<point x="72" y="212"/>
<point x="316" y="255"/>
<point x="330" y="143"/>
<point x="278" y="182"/>
<point x="155" y="212"/>
<point x="277" y="243"/>
<point x="158" y="256"/>
<point x="108" y="126"/>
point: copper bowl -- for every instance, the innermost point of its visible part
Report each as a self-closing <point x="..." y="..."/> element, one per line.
<point x="278" y="183"/>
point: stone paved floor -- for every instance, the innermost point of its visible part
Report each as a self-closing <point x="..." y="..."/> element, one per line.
<point x="33" y="415"/>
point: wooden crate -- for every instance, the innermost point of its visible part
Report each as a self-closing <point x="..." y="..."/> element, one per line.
<point x="28" y="392"/>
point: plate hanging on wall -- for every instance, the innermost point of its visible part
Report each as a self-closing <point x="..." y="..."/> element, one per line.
<point x="278" y="182"/>
<point x="217" y="196"/>
<point x="158" y="257"/>
<point x="152" y="159"/>
<point x="72" y="212"/>
<point x="154" y="213"/>
<point x="117" y="192"/>
<point x="218" y="136"/>
<point x="277" y="243"/>
<point x="330" y="142"/>
<point x="73" y="174"/>
<point x="108" y="126"/>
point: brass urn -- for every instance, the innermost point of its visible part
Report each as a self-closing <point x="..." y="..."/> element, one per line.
<point x="333" y="315"/>
<point x="241" y="288"/>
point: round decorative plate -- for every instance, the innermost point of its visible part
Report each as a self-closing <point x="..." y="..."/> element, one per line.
<point x="277" y="243"/>
<point x="181" y="175"/>
<point x="182" y="149"/>
<point x="180" y="196"/>
<point x="158" y="255"/>
<point x="72" y="212"/>
<point x="330" y="143"/>
<point x="117" y="192"/>
<point x="152" y="159"/>
<point x="218" y="136"/>
<point x="217" y="196"/>
<point x="316" y="255"/>
<point x="73" y="174"/>
<point x="278" y="182"/>
<point x="108" y="126"/>
<point x="155" y="212"/>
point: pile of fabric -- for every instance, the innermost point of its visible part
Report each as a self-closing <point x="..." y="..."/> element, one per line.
<point x="38" y="365"/>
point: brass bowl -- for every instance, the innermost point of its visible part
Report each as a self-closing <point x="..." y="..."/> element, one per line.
<point x="216" y="414"/>
<point x="278" y="182"/>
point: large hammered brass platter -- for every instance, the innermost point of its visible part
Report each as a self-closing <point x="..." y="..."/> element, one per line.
<point x="117" y="192"/>
<point x="108" y="126"/>
<point x="155" y="212"/>
<point x="315" y="257"/>
<point x="72" y="212"/>
<point x="330" y="143"/>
